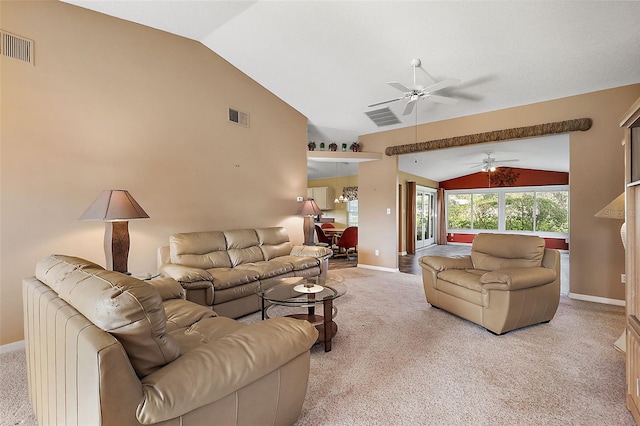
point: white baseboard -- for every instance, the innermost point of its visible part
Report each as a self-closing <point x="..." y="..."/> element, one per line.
<point x="378" y="268"/>
<point x="10" y="347"/>
<point x="597" y="299"/>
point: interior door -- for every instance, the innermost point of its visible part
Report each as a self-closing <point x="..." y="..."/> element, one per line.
<point x="425" y="215"/>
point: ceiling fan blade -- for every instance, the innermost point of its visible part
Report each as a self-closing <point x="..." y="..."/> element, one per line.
<point x="409" y="108"/>
<point x="385" y="102"/>
<point x="441" y="99"/>
<point x="399" y="86"/>
<point x="505" y="161"/>
<point x="441" y="85"/>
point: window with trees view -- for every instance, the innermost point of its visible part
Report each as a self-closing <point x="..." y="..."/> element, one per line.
<point x="540" y="210"/>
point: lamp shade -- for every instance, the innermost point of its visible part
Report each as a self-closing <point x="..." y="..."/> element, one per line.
<point x="309" y="208"/>
<point x="613" y="210"/>
<point x="114" y="205"/>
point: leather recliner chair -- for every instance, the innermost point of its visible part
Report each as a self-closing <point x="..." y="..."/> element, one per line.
<point x="104" y="348"/>
<point x="509" y="281"/>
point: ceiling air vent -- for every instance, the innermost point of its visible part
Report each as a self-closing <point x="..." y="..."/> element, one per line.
<point x="383" y="117"/>
<point x="16" y="47"/>
<point x="239" y="117"/>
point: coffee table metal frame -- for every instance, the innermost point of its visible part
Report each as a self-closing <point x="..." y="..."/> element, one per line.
<point x="324" y="292"/>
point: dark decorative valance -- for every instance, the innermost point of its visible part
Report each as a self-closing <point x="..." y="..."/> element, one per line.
<point x="503" y="176"/>
<point x="350" y="193"/>
<point x="580" y="124"/>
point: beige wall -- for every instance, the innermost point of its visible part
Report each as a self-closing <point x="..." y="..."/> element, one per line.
<point x="114" y="105"/>
<point x="596" y="177"/>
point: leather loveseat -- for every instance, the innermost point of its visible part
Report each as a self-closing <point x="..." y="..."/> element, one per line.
<point x="509" y="281"/>
<point x="104" y="348"/>
<point x="222" y="269"/>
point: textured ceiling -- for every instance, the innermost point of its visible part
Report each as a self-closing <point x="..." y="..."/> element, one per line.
<point x="330" y="59"/>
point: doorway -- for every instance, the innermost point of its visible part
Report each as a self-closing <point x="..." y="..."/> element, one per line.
<point x="425" y="230"/>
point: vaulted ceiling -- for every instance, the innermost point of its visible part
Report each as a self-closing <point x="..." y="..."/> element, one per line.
<point x="331" y="59"/>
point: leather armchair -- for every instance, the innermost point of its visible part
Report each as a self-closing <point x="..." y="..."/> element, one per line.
<point x="509" y="281"/>
<point x="105" y="348"/>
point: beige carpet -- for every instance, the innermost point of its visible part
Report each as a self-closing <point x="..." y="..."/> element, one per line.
<point x="397" y="361"/>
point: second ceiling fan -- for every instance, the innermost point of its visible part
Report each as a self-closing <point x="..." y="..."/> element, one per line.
<point x="490" y="164"/>
<point x="412" y="95"/>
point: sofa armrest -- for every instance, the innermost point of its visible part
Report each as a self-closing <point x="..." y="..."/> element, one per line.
<point x="312" y="251"/>
<point x="517" y="278"/>
<point x="184" y="274"/>
<point x="168" y="288"/>
<point x="440" y="263"/>
<point x="221" y="367"/>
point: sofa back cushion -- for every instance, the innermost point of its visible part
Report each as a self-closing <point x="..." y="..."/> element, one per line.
<point x="243" y="246"/>
<point x="490" y="252"/>
<point x="274" y="242"/>
<point x="130" y="309"/>
<point x="204" y="250"/>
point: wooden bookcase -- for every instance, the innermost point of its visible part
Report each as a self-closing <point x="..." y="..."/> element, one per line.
<point x="631" y="124"/>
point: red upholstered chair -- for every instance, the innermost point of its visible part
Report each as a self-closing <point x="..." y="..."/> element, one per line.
<point x="349" y="240"/>
<point x="327" y="225"/>
<point x="322" y="238"/>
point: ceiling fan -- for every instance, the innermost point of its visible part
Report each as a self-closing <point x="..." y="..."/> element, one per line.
<point x="412" y="95"/>
<point x="490" y="164"/>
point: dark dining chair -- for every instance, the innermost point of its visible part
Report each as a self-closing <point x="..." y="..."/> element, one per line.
<point x="322" y="237"/>
<point x="349" y="240"/>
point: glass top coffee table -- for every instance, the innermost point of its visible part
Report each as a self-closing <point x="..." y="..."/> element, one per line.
<point x="301" y="292"/>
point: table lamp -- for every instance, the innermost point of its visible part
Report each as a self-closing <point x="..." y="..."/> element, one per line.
<point x="115" y="207"/>
<point x="309" y="208"/>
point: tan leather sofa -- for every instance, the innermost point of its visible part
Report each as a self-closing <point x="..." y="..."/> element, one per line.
<point x="104" y="348"/>
<point x="222" y="269"/>
<point x="509" y="281"/>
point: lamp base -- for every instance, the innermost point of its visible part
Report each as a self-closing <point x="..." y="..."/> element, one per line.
<point x="116" y="246"/>
<point x="308" y="231"/>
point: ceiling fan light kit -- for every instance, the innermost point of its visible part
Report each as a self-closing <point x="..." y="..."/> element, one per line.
<point x="490" y="164"/>
<point x="416" y="92"/>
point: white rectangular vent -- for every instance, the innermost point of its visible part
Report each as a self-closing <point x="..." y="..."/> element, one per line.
<point x="383" y="117"/>
<point x="239" y="117"/>
<point x="16" y="47"/>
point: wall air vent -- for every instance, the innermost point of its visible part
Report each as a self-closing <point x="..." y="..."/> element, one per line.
<point x="239" y="117"/>
<point x="383" y="117"/>
<point x="16" y="47"/>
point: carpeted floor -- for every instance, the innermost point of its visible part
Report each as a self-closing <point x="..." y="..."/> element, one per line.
<point x="398" y="361"/>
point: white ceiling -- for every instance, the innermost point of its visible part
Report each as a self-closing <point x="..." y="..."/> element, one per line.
<point x="330" y="59"/>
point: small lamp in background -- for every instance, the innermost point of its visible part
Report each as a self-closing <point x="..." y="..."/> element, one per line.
<point x="615" y="210"/>
<point x="116" y="208"/>
<point x="309" y="209"/>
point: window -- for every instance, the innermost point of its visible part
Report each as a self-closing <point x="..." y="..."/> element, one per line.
<point x="543" y="210"/>
<point x="352" y="213"/>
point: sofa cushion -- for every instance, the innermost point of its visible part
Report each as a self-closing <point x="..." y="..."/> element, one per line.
<point x="202" y="250"/>
<point x="267" y="269"/>
<point x="243" y="246"/>
<point x="468" y="279"/>
<point x="500" y="251"/>
<point x="181" y="313"/>
<point x="130" y="309"/>
<point x="230" y="277"/>
<point x="274" y="242"/>
<point x="205" y="331"/>
<point x="299" y="263"/>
